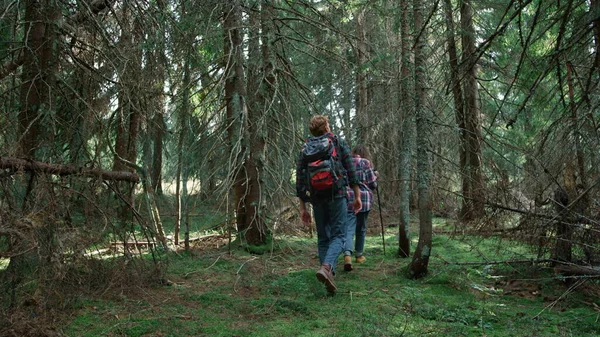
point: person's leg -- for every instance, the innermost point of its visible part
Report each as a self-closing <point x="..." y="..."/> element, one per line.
<point x="337" y="228"/>
<point x="349" y="240"/>
<point x="361" y="232"/>
<point x="323" y="234"/>
<point x="350" y="230"/>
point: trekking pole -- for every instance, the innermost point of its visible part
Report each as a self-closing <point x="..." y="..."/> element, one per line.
<point x="381" y="219"/>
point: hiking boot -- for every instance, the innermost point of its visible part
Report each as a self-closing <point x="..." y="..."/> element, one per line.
<point x="348" y="263"/>
<point x="360" y="259"/>
<point x="325" y="276"/>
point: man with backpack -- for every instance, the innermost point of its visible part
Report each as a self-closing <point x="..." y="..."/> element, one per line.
<point x="323" y="171"/>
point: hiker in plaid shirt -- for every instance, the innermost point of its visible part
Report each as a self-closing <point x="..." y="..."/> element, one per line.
<point x="357" y="222"/>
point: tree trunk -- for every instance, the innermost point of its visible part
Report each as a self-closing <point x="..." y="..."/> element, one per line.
<point x="408" y="136"/>
<point x="474" y="196"/>
<point x="583" y="203"/>
<point x="38" y="76"/>
<point x="261" y="82"/>
<point x="157" y="61"/>
<point x="570" y="203"/>
<point x="563" y="197"/>
<point x="347" y="105"/>
<point x="128" y="115"/>
<point x="157" y="153"/>
<point x="458" y="104"/>
<point x="184" y="112"/>
<point x="40" y="63"/>
<point x="420" y="261"/>
<point x="235" y="98"/>
<point x="361" y="79"/>
<point x="595" y="10"/>
<point x="79" y="119"/>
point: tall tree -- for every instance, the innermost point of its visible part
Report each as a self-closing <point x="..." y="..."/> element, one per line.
<point x="474" y="189"/>
<point x="261" y="85"/>
<point x="40" y="61"/>
<point x="156" y="102"/>
<point x="183" y="116"/>
<point x="420" y="261"/>
<point x="459" y="114"/>
<point x="237" y="116"/>
<point x="128" y="114"/>
<point x="408" y="134"/>
<point x="362" y="95"/>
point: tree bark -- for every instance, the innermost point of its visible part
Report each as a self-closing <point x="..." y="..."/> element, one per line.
<point x="157" y="61"/>
<point x="408" y="135"/>
<point x="458" y="103"/>
<point x="261" y="81"/>
<point x="420" y="261"/>
<point x="361" y="79"/>
<point x="128" y="115"/>
<point x="235" y="99"/>
<point x="38" y="76"/>
<point x="474" y="196"/>
<point x="184" y="112"/>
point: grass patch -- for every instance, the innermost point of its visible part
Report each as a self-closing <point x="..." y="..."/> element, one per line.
<point x="213" y="293"/>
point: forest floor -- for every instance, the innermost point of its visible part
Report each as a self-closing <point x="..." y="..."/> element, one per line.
<point x="470" y="290"/>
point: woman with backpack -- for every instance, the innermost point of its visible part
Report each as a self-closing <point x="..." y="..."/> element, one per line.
<point x="330" y="156"/>
<point x="357" y="222"/>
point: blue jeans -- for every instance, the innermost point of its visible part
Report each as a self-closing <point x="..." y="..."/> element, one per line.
<point x="330" y="217"/>
<point x="356" y="225"/>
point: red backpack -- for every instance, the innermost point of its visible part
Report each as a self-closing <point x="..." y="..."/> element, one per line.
<point x="324" y="168"/>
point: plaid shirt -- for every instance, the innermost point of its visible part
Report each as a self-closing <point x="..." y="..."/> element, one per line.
<point x="368" y="182"/>
<point x="345" y="154"/>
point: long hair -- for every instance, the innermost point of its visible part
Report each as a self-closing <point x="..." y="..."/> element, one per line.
<point x="362" y="151"/>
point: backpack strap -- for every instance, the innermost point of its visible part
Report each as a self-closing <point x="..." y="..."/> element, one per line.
<point x="338" y="164"/>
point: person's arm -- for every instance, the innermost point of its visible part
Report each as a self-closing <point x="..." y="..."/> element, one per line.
<point x="357" y="204"/>
<point x="304" y="214"/>
<point x="370" y="175"/>
<point x="301" y="191"/>
<point x="301" y="180"/>
<point x="348" y="163"/>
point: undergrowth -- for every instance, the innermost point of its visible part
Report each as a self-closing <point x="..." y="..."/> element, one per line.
<point x="470" y="290"/>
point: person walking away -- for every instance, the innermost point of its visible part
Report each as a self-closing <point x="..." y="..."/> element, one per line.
<point x="329" y="204"/>
<point x="357" y="222"/>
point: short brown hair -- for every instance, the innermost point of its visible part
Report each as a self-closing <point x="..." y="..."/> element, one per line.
<point x="318" y="125"/>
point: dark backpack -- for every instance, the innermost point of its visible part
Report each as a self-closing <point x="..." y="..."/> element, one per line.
<point x="324" y="167"/>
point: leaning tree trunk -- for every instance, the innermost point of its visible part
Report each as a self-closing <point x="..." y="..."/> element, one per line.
<point x="408" y="137"/>
<point x="419" y="264"/>
<point x="474" y="196"/>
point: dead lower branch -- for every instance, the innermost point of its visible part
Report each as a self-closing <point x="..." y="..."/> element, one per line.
<point x="17" y="164"/>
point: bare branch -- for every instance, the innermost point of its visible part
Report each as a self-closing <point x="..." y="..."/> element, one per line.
<point x="18" y="164"/>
